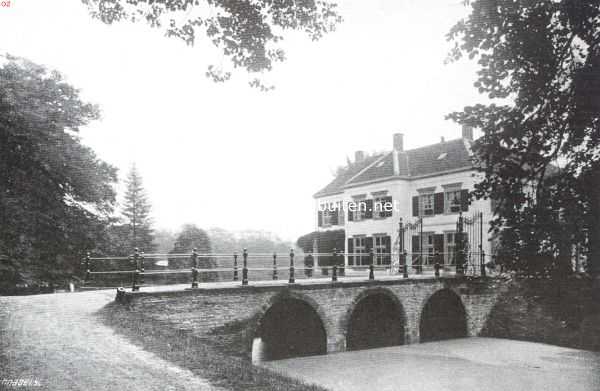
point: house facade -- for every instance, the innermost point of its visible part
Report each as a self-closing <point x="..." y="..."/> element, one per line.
<point x="407" y="200"/>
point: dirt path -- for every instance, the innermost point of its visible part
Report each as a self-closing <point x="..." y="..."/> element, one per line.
<point x="54" y="342"/>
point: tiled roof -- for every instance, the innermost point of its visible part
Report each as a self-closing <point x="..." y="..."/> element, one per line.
<point x="429" y="160"/>
<point x="336" y="186"/>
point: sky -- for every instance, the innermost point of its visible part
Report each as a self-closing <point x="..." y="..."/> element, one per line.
<point x="228" y="155"/>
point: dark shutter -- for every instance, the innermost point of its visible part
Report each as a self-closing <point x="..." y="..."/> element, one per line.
<point x="438" y="244"/>
<point x="350" y="212"/>
<point x="388" y="249"/>
<point x="464" y="200"/>
<point x="416" y="206"/>
<point x="368" y="209"/>
<point x="368" y="248"/>
<point x="334" y="216"/>
<point x="438" y="203"/>
<point x="387" y="206"/>
<point x="350" y="251"/>
<point x="320" y="218"/>
<point x="416" y="244"/>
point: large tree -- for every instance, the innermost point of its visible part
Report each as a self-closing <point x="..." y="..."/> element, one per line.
<point x="539" y="64"/>
<point x="56" y="196"/>
<point x="136" y="212"/>
<point x="247" y="32"/>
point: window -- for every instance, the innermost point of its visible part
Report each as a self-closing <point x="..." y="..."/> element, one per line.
<point x="382" y="250"/>
<point x="452" y="201"/>
<point x="383" y="207"/>
<point x="329" y="214"/>
<point x="426" y="204"/>
<point x="361" y="256"/>
<point x="428" y="248"/>
<point x="360" y="209"/>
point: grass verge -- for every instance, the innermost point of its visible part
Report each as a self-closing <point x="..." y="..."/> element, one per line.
<point x="210" y="357"/>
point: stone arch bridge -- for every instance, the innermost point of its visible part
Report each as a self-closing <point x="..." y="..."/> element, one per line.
<point x="288" y="320"/>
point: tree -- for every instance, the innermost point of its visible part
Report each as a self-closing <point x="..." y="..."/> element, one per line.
<point x="191" y="237"/>
<point x="540" y="150"/>
<point x="56" y="196"/>
<point x="248" y="32"/>
<point x="136" y="211"/>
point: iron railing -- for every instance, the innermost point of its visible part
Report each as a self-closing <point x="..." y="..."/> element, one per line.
<point x="244" y="267"/>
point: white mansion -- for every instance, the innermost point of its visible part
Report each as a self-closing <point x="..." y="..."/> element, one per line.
<point x="426" y="187"/>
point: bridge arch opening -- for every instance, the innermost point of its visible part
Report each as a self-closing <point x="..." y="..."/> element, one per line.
<point x="290" y="328"/>
<point x="377" y="320"/>
<point x="443" y="317"/>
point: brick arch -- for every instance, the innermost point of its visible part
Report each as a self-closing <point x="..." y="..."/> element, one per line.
<point x="259" y="317"/>
<point x="346" y="319"/>
<point x="452" y="291"/>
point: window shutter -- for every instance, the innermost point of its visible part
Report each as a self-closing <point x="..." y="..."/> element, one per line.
<point x="388" y="249"/>
<point x="320" y="218"/>
<point x="350" y="251"/>
<point x="368" y="248"/>
<point x="438" y="203"/>
<point x="350" y="214"/>
<point x="387" y="203"/>
<point x="369" y="209"/>
<point x="438" y="243"/>
<point x="334" y="216"/>
<point x="464" y="200"/>
<point x="415" y="203"/>
<point x="416" y="243"/>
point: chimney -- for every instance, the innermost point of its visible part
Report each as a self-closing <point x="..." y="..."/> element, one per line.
<point x="359" y="156"/>
<point x="467" y="132"/>
<point x="399" y="142"/>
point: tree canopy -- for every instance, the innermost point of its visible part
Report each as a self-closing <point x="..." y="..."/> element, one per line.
<point x="247" y="32"/>
<point x="136" y="212"/>
<point x="55" y="194"/>
<point x="539" y="64"/>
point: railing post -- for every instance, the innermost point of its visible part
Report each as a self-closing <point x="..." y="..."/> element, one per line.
<point x="460" y="261"/>
<point x="275" y="266"/>
<point x="142" y="268"/>
<point x="136" y="272"/>
<point x="405" y="264"/>
<point x="292" y="279"/>
<point x="235" y="266"/>
<point x="194" y="268"/>
<point x="437" y="265"/>
<point x="86" y="265"/>
<point x="483" y="273"/>
<point x="371" y="267"/>
<point x="334" y="268"/>
<point x="245" y="268"/>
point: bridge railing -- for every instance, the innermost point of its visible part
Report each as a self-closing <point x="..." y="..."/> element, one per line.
<point x="140" y="269"/>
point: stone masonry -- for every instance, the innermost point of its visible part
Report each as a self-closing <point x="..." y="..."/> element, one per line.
<point x="203" y="309"/>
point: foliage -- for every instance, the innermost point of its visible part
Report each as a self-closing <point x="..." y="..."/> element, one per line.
<point x="189" y="238"/>
<point x="55" y="194"/>
<point x="136" y="212"/>
<point x="258" y="242"/>
<point x="539" y="64"/>
<point x="247" y="32"/>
